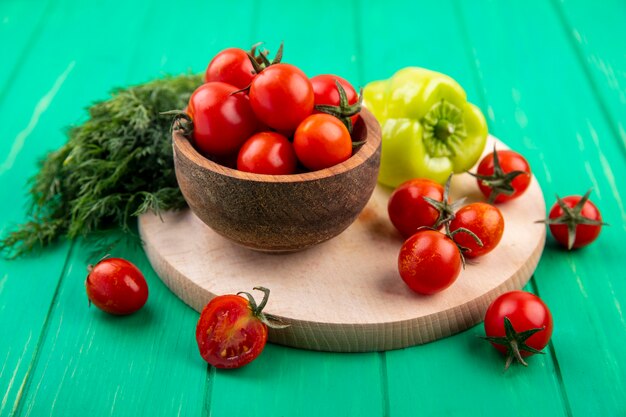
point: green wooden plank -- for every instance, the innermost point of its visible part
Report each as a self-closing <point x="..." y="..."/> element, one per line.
<point x="20" y="26"/>
<point x="292" y="382"/>
<point x="149" y="360"/>
<point x="284" y="381"/>
<point x="27" y="286"/>
<point x="544" y="106"/>
<point x="597" y="35"/>
<point x="421" y="378"/>
<point x="41" y="104"/>
<point x="316" y="48"/>
<point x="95" y="364"/>
<point x="175" y="48"/>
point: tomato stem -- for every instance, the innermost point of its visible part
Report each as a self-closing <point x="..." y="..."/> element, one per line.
<point x="260" y="62"/>
<point x="515" y="342"/>
<point x="444" y="207"/>
<point x="260" y="56"/>
<point x="344" y="111"/>
<point x="279" y="55"/>
<point x="266" y="296"/>
<point x="182" y="122"/>
<point x="572" y="217"/>
<point x="447" y="212"/>
<point x="269" y="320"/>
<point x="461" y="248"/>
<point x="498" y="182"/>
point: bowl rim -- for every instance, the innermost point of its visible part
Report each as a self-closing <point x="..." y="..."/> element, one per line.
<point x="372" y="136"/>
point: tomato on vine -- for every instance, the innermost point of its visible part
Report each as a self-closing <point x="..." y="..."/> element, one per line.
<point x="116" y="286"/>
<point x="336" y="96"/>
<point x="518" y="324"/>
<point x="232" y="330"/>
<point x="429" y="262"/>
<point x="503" y="176"/>
<point x="485" y="221"/>
<point x="574" y="221"/>
<point x="409" y="210"/>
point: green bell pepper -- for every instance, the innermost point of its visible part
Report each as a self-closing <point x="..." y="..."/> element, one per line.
<point x="429" y="130"/>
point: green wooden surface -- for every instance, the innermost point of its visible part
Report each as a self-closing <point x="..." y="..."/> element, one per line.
<point x="550" y="77"/>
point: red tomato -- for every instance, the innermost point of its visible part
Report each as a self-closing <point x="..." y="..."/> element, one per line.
<point x="267" y="153"/>
<point x="232" y="331"/>
<point x="408" y="211"/>
<point x="429" y="262"/>
<point x="322" y="141"/>
<point x="531" y="323"/>
<point x="583" y="220"/>
<point x="491" y="175"/>
<point x="228" y="334"/>
<point x="485" y="221"/>
<point x="326" y="92"/>
<point x="116" y="286"/>
<point x="282" y="97"/>
<point x="221" y="122"/>
<point x="231" y="66"/>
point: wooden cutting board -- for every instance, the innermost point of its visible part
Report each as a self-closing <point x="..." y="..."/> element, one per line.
<point x="346" y="294"/>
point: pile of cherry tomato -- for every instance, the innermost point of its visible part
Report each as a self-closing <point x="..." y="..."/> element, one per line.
<point x="269" y="117"/>
<point x="517" y="323"/>
<point x="440" y="235"/>
<point x="431" y="260"/>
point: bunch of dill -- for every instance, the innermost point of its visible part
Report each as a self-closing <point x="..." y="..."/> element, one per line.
<point x="115" y="166"/>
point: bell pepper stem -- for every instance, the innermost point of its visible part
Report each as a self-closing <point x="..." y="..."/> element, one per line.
<point x="444" y="129"/>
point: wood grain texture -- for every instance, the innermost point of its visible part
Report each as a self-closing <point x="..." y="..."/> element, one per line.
<point x="32" y="109"/>
<point x="310" y="288"/>
<point x="280" y="213"/>
<point x="602" y="64"/>
<point x="57" y="356"/>
<point x="546" y="106"/>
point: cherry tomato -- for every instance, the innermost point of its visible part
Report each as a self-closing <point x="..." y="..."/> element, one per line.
<point x="408" y="211"/>
<point x="231" y="66"/>
<point x="577" y="227"/>
<point x="491" y="175"/>
<point x="282" y="97"/>
<point x="530" y="325"/>
<point x="267" y="153"/>
<point x="232" y="331"/>
<point x="322" y="141"/>
<point x="326" y="91"/>
<point x="116" y="286"/>
<point x="429" y="262"/>
<point x="485" y="221"/>
<point x="221" y="122"/>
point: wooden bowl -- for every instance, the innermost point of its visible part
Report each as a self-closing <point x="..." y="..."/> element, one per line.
<point x="280" y="213"/>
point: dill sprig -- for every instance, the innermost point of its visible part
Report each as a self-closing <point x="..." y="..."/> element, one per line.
<point x="114" y="167"/>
